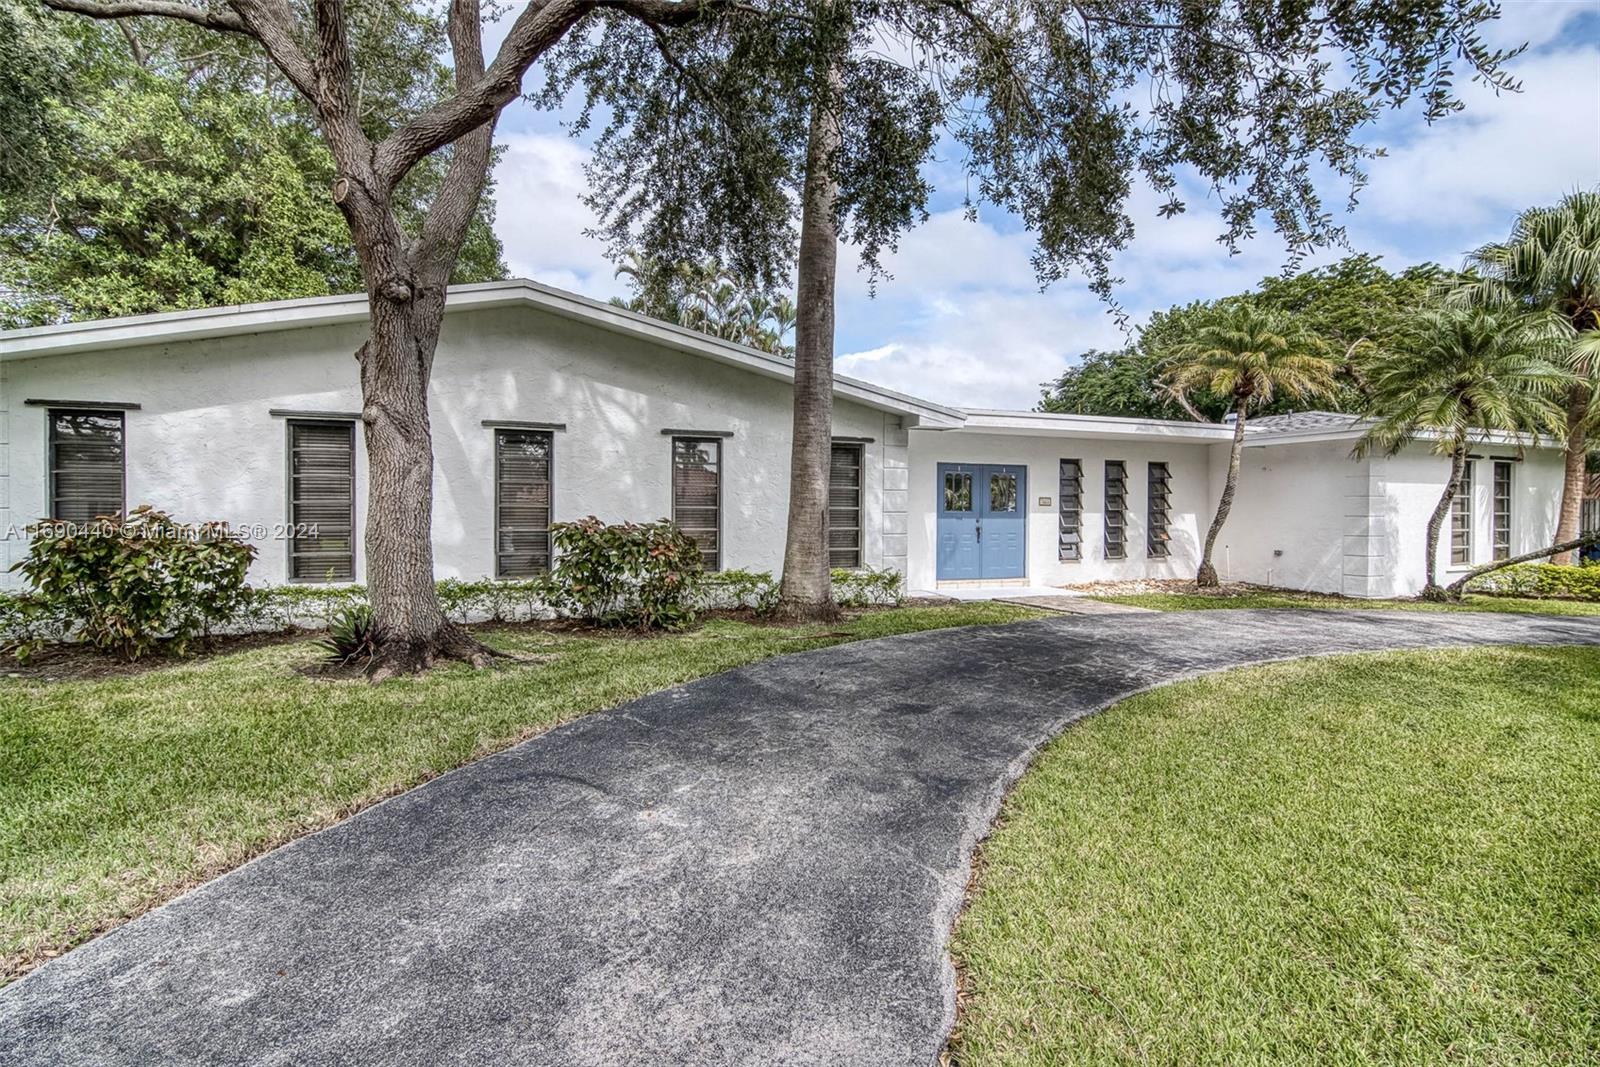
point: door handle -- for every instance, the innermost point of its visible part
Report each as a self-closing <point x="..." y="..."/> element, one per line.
<point x="980" y="531"/>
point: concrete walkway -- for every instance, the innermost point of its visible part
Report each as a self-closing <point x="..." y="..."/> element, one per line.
<point x="758" y="868"/>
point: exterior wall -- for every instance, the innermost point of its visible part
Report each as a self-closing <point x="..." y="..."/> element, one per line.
<point x="1042" y="455"/>
<point x="1298" y="511"/>
<point x="1359" y="528"/>
<point x="203" y="444"/>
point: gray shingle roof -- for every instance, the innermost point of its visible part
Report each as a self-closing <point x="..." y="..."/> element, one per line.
<point x="1303" y="421"/>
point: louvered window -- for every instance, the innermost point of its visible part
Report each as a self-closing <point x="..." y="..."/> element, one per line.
<point x="522" y="502"/>
<point x="1461" y="520"/>
<point x="697" y="494"/>
<point x="86" y="465"/>
<point x="322" y="501"/>
<point x="1116" y="509"/>
<point x="1156" y="530"/>
<point x="1502" y="509"/>
<point x="844" y="505"/>
<point x="1071" y="510"/>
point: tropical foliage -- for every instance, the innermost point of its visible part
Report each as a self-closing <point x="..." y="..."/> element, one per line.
<point x="158" y="168"/>
<point x="707" y="297"/>
<point x="1245" y="357"/>
<point x="1551" y="264"/>
<point x="1354" y="308"/>
<point x="1455" y="377"/>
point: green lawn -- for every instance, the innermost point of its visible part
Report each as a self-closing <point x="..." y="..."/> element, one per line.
<point x="1373" y="859"/>
<point x="115" y="794"/>
<point x="1289" y="599"/>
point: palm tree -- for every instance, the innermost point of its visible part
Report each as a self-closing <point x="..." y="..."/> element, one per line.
<point x="1247" y="356"/>
<point x="1456" y="374"/>
<point x="1551" y="263"/>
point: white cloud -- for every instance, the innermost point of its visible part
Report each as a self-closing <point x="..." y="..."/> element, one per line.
<point x="1500" y="155"/>
<point x="541" y="216"/>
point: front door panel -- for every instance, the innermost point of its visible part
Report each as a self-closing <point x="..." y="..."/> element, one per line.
<point x="957" y="496"/>
<point x="1001" y="521"/>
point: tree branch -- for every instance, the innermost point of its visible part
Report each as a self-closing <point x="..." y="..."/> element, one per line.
<point x="535" y="31"/>
<point x="1457" y="587"/>
<point x="272" y="23"/>
<point x="225" y="21"/>
<point x="453" y="208"/>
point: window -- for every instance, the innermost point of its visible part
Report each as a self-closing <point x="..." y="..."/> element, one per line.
<point x="1502" y="509"/>
<point x="522" y="502"/>
<point x="844" y="505"/>
<point x="697" y="494"/>
<point x="1156" y="534"/>
<point x="86" y="464"/>
<point x="1071" y="510"/>
<point x="1461" y="519"/>
<point x="322" y="501"/>
<point x="1116" y="509"/>
<point x="957" y="491"/>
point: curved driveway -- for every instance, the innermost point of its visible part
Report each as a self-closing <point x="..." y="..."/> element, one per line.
<point x="757" y="868"/>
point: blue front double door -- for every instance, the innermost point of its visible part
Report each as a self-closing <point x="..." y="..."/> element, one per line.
<point x="982" y="521"/>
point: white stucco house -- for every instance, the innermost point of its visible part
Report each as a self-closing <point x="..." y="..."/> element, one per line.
<point x="549" y="406"/>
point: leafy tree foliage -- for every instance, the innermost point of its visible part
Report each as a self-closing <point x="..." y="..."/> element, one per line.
<point x="170" y="169"/>
<point x="1354" y="309"/>
<point x="706" y="296"/>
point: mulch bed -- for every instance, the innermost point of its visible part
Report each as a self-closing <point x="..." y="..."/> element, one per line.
<point x="75" y="663"/>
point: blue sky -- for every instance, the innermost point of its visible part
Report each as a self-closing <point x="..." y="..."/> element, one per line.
<point x="963" y="322"/>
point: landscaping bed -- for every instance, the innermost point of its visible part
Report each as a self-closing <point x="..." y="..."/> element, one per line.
<point x="1305" y="862"/>
<point x="118" y="792"/>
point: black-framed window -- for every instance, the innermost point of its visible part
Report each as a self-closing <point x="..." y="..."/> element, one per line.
<point x="87" y="468"/>
<point x="1070" y="511"/>
<point x="1116" y="525"/>
<point x="1157" y="528"/>
<point x="844" y="504"/>
<point x="522" y="502"/>
<point x="1461" y="519"/>
<point x="697" y="494"/>
<point x="322" y="500"/>
<point x="1502" y="509"/>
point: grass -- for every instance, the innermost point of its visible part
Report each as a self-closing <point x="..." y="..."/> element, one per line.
<point x="1272" y="598"/>
<point x="1388" y="858"/>
<point x="118" y="793"/>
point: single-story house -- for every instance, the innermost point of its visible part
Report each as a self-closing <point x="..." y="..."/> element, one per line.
<point x="549" y="406"/>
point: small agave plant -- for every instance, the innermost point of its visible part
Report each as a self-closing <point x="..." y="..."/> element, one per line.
<point x="351" y="636"/>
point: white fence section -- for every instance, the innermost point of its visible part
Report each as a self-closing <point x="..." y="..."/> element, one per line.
<point x="1591" y="515"/>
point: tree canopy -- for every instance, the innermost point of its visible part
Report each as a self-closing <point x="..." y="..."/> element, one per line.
<point x="1355" y="309"/>
<point x="1035" y="97"/>
<point x="171" y="168"/>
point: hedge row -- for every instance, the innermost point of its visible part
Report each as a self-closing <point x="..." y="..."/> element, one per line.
<point x="1543" y="580"/>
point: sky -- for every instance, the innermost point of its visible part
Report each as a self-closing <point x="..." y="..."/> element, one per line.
<point x="963" y="321"/>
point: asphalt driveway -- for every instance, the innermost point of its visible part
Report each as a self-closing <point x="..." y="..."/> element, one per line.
<point x="758" y="868"/>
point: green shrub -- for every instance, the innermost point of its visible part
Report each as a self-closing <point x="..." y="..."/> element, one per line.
<point x="755" y="590"/>
<point x="351" y="636"/>
<point x="643" y="575"/>
<point x="868" y="588"/>
<point x="28" y="623"/>
<point x="123" y="583"/>
<point x="1542" y="580"/>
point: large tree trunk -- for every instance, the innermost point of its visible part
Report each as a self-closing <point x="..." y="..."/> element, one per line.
<point x="1430" y="586"/>
<point x="1577" y="476"/>
<point x="807" y="589"/>
<point x="412" y="630"/>
<point x="1206" y="576"/>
